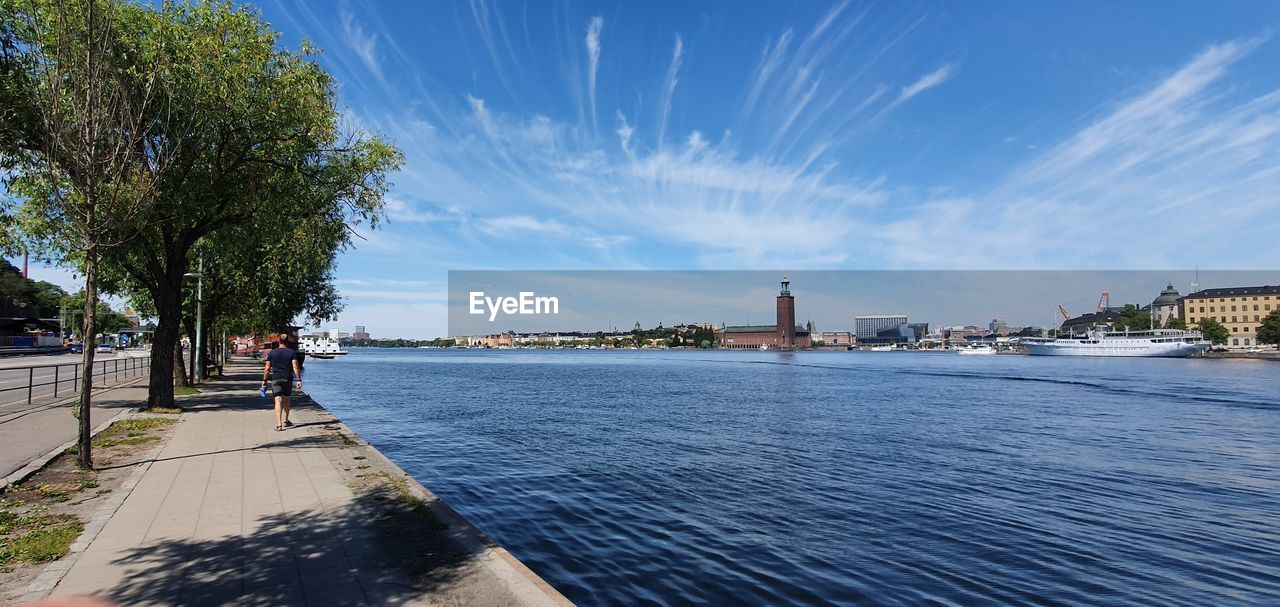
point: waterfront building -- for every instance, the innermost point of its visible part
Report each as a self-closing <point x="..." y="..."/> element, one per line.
<point x="785" y="334"/>
<point x="1165" y="306"/>
<point x="1239" y="309"/>
<point x="837" y="338"/>
<point x="996" y="325"/>
<point x="869" y="327"/>
<point x="359" y="333"/>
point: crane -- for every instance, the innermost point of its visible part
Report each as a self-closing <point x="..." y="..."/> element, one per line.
<point x="1063" y="312"/>
<point x="1104" y="302"/>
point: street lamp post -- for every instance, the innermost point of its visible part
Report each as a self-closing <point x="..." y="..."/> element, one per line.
<point x="195" y="352"/>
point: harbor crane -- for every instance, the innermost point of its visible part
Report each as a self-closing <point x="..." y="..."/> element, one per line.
<point x="1063" y="312"/>
<point x="1104" y="302"/>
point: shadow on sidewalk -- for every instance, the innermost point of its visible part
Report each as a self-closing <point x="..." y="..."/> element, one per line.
<point x="379" y="551"/>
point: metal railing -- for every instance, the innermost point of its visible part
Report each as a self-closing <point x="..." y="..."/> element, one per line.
<point x="63" y="380"/>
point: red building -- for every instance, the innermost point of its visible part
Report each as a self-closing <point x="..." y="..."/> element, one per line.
<point x="784" y="335"/>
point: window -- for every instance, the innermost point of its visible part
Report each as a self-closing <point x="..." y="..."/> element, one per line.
<point x="1235" y="342"/>
<point x="1246" y="341"/>
<point x="1191" y="320"/>
<point x="1233" y="319"/>
<point x="1212" y="309"/>
<point x="1255" y="318"/>
<point x="1255" y="306"/>
<point x="1202" y="309"/>
<point x="1233" y="308"/>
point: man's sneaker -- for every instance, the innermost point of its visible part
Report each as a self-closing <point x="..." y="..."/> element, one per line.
<point x="288" y="424"/>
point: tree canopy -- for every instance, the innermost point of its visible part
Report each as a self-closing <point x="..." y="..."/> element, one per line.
<point x="1269" y="332"/>
<point x="260" y="176"/>
<point x="1214" y="331"/>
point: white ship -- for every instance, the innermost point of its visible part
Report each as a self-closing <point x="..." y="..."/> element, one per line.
<point x="320" y="347"/>
<point x="1169" y="343"/>
<point x="976" y="350"/>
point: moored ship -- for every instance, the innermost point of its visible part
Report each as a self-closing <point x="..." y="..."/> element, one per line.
<point x="1168" y="343"/>
<point x="320" y="347"/>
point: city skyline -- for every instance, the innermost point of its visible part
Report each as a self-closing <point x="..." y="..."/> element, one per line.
<point x="798" y="135"/>
<point x="599" y="300"/>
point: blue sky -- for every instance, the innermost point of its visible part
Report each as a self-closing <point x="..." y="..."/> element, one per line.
<point x="802" y="135"/>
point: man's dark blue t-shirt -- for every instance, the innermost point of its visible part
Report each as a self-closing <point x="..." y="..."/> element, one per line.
<point x="281" y="360"/>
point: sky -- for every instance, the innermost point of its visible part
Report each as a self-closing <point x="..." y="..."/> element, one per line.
<point x="801" y="136"/>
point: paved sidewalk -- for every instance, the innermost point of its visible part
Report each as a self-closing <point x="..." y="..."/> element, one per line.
<point x="232" y="512"/>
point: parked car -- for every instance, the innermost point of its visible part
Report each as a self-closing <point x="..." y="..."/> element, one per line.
<point x="77" y="348"/>
<point x="106" y="348"/>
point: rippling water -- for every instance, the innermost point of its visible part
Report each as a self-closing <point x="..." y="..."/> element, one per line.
<point x="636" y="477"/>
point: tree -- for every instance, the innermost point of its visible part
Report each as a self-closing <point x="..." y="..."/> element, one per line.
<point x="80" y="94"/>
<point x="1132" y="319"/>
<point x="1269" y="332"/>
<point x="1214" y="331"/>
<point x="106" y="320"/>
<point x="1175" y="322"/>
<point x="262" y="151"/>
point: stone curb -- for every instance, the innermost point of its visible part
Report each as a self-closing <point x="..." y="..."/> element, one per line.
<point x="520" y="580"/>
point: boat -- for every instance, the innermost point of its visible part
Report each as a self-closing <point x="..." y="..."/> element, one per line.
<point x="976" y="350"/>
<point x="1168" y="343"/>
<point x="320" y="347"/>
<point x="882" y="348"/>
<point x="764" y="346"/>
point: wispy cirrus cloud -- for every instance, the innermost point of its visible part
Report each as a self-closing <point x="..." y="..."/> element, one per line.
<point x="926" y="82"/>
<point x="593" y="62"/>
<point x="1166" y="172"/>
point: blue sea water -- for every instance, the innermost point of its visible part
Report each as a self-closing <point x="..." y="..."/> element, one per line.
<point x="718" y="478"/>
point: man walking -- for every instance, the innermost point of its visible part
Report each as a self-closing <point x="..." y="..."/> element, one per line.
<point x="281" y="373"/>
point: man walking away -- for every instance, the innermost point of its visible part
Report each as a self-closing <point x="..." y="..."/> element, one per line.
<point x="281" y="372"/>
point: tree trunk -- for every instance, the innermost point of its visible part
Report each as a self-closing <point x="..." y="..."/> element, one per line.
<point x="163" y="352"/>
<point x="85" y="457"/>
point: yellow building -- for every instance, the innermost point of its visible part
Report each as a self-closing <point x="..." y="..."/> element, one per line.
<point x="1239" y="309"/>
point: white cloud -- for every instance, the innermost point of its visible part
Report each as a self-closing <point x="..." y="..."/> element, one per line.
<point x="365" y="46"/>
<point x="927" y="82"/>
<point x="593" y="59"/>
<point x="669" y="89"/>
<point x="1182" y="170"/>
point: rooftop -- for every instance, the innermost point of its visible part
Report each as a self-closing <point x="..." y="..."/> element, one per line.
<point x="1236" y="291"/>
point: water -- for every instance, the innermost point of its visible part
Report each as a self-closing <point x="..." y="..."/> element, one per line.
<point x="703" y="477"/>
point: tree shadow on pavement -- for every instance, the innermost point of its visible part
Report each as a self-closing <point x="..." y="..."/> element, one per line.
<point x="378" y="550"/>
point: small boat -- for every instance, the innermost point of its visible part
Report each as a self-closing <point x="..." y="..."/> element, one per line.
<point x="976" y="350"/>
<point x="764" y="346"/>
<point x="882" y="348"/>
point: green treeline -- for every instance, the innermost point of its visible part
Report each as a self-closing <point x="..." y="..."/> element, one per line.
<point x="154" y="147"/>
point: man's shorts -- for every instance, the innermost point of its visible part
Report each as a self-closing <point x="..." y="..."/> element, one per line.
<point x="282" y="386"/>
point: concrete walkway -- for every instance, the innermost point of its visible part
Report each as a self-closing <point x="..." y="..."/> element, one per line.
<point x="232" y="512"/>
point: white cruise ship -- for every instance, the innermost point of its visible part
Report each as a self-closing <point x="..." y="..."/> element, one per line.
<point x="1169" y="343"/>
<point x="320" y="347"/>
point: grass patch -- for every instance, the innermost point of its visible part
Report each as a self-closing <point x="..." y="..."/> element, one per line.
<point x="411" y="501"/>
<point x="347" y="441"/>
<point x="184" y="390"/>
<point x="130" y="432"/>
<point x="161" y="410"/>
<point x="36" y="537"/>
<point x="56" y="494"/>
